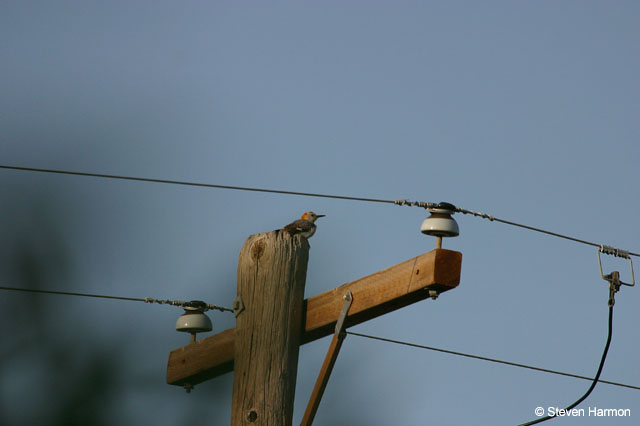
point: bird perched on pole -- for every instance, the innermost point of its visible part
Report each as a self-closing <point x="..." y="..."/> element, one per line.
<point x="304" y="226"/>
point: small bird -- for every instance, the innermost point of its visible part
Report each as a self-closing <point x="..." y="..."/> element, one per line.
<point x="304" y="226"/>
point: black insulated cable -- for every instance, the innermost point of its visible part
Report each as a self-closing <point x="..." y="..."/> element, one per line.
<point x="595" y="380"/>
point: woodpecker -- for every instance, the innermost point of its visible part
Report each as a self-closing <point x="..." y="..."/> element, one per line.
<point x="303" y="226"/>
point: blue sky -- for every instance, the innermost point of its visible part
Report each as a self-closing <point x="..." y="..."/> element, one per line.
<point x="524" y="110"/>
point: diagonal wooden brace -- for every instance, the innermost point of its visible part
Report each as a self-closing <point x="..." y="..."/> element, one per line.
<point x="329" y="362"/>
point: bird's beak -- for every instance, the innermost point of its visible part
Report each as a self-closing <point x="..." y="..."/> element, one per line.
<point x="320" y="215"/>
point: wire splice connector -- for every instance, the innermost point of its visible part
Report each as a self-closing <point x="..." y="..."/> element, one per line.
<point x="614" y="277"/>
<point x="614" y="251"/>
<point x="478" y="214"/>
<point x="182" y="304"/>
<point x="423" y="204"/>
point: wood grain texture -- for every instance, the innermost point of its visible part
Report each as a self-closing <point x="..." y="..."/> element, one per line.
<point x="271" y="276"/>
<point x="202" y="360"/>
<point x="384" y="291"/>
<point x="373" y="295"/>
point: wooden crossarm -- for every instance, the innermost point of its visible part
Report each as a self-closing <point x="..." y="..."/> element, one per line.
<point x="374" y="295"/>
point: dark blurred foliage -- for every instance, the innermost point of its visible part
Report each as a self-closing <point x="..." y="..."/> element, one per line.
<point x="46" y="378"/>
<point x="57" y="366"/>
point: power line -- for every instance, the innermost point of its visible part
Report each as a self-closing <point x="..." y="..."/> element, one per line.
<point x="482" y="358"/>
<point x="399" y="202"/>
<point x="604" y="248"/>
<point x="189" y="183"/>
<point x="531" y="228"/>
<point x="431" y="348"/>
<point x="178" y="303"/>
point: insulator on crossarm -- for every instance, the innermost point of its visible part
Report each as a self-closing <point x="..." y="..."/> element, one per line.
<point x="194" y="319"/>
<point x="440" y="224"/>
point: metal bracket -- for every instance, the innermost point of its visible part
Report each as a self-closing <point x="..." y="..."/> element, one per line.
<point x="238" y="306"/>
<point x="348" y="298"/>
<point x="615" y="275"/>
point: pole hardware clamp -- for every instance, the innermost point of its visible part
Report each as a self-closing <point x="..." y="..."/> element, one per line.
<point x="340" y="325"/>
<point x="238" y="306"/>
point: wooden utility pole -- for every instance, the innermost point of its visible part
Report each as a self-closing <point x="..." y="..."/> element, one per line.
<point x="262" y="350"/>
<point x="271" y="277"/>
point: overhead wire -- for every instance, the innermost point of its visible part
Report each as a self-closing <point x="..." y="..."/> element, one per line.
<point x="383" y="339"/>
<point x="178" y="303"/>
<point x="399" y="202"/>
<point x="497" y="361"/>
<point x="191" y="183"/>
<point x="604" y="248"/>
<point x="520" y="225"/>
